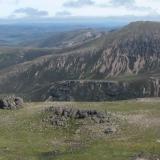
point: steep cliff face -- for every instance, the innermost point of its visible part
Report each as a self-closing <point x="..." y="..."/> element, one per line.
<point x="134" y="49"/>
<point x="102" y="90"/>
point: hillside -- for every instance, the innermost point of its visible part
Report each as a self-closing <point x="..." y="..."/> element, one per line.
<point x="129" y="54"/>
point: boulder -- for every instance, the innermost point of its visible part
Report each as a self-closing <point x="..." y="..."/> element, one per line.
<point x="11" y="102"/>
<point x="18" y="101"/>
<point x="110" y="130"/>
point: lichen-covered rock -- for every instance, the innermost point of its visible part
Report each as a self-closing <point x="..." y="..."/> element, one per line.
<point x="11" y="102"/>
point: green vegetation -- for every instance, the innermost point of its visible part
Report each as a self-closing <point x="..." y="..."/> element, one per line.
<point x="23" y="134"/>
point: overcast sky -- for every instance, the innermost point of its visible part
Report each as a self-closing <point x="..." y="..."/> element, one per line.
<point x="65" y="8"/>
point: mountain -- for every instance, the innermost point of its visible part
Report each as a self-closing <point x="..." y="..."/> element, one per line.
<point x="127" y="59"/>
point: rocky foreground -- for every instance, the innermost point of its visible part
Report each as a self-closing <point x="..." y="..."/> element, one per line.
<point x="90" y="133"/>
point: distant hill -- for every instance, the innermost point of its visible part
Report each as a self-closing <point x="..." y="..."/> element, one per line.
<point x="69" y="39"/>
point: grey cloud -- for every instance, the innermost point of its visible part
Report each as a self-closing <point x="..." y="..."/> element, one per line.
<point x="122" y="2"/>
<point x="63" y="14"/>
<point x="78" y="3"/>
<point x="129" y="4"/>
<point x="117" y="3"/>
<point x="31" y="12"/>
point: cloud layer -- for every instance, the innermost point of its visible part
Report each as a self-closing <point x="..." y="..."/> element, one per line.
<point x="31" y="12"/>
<point x="78" y="8"/>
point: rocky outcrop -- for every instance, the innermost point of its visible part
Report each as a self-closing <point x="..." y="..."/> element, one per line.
<point x="11" y="102"/>
<point x="103" y="90"/>
<point x="66" y="116"/>
<point x="61" y="115"/>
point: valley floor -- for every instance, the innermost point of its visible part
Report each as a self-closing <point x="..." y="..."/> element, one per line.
<point x="24" y="136"/>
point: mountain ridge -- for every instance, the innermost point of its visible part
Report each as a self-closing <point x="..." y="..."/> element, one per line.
<point x="132" y="50"/>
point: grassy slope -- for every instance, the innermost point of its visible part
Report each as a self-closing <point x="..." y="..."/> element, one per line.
<point x="23" y="136"/>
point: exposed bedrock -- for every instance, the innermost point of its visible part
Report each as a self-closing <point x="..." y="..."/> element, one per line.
<point x="103" y="90"/>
